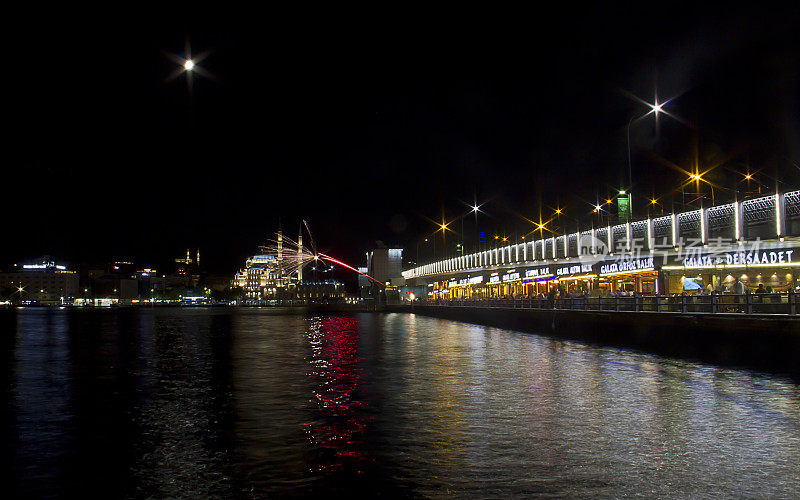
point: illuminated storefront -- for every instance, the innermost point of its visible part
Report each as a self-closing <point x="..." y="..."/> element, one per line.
<point x="628" y="275"/>
<point x="494" y="285"/>
<point x="775" y="268"/>
<point x="538" y="280"/>
<point x="575" y="278"/>
<point x="467" y="288"/>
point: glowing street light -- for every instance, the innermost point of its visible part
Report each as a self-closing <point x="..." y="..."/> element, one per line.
<point x="188" y="65"/>
<point x="656" y="108"/>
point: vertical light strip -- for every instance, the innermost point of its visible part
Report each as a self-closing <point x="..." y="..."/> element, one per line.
<point x="736" y="221"/>
<point x="673" y="222"/>
<point x="702" y="225"/>
<point x="608" y="237"/>
<point x="578" y="244"/>
<point x="628" y="235"/>
<point x="778" y="214"/>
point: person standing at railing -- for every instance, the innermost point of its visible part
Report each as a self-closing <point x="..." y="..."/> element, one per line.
<point x="738" y="290"/>
<point x="760" y="291"/>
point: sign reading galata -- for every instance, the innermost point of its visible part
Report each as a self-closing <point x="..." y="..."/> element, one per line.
<point x="741" y="258"/>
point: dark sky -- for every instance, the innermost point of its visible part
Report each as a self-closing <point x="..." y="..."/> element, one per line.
<point x="366" y="122"/>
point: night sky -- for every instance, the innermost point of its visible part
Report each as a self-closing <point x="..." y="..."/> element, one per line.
<point x="366" y="123"/>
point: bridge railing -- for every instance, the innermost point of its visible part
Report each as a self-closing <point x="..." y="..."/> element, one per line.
<point x="787" y="303"/>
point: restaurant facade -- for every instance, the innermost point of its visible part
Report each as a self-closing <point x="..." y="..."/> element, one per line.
<point x="774" y="268"/>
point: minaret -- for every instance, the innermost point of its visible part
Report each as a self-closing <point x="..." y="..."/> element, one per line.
<point x="300" y="255"/>
<point x="198" y="258"/>
<point x="188" y="257"/>
<point x="280" y="249"/>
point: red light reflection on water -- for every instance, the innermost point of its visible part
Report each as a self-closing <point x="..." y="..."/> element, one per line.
<point x="337" y="430"/>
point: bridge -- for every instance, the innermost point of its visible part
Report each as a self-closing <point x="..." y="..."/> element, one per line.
<point x="731" y="249"/>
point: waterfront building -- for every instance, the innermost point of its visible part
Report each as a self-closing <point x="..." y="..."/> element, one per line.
<point x="364" y="283"/>
<point x="150" y="284"/>
<point x="385" y="264"/>
<point x="263" y="278"/>
<point x="123" y="289"/>
<point x="44" y="282"/>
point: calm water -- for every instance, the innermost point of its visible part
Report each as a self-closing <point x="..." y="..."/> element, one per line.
<point x="188" y="403"/>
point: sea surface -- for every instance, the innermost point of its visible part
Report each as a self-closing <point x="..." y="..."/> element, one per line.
<point x="242" y="403"/>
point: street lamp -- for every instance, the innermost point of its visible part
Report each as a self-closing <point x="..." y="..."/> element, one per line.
<point x="476" y="207"/>
<point x="188" y="65"/>
<point x="655" y="108"/>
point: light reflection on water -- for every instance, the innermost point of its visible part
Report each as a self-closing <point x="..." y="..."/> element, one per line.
<point x="173" y="402"/>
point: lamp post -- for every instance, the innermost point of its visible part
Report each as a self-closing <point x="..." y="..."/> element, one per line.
<point x="475" y="209"/>
<point x="426" y="240"/>
<point x="655" y="109"/>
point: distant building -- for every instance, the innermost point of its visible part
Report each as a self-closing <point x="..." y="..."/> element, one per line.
<point x="124" y="267"/>
<point x="187" y="271"/>
<point x="150" y="284"/>
<point x="364" y="283"/>
<point x="43" y="283"/>
<point x="320" y="291"/>
<point x="124" y="289"/>
<point x="263" y="279"/>
<point x="385" y="265"/>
